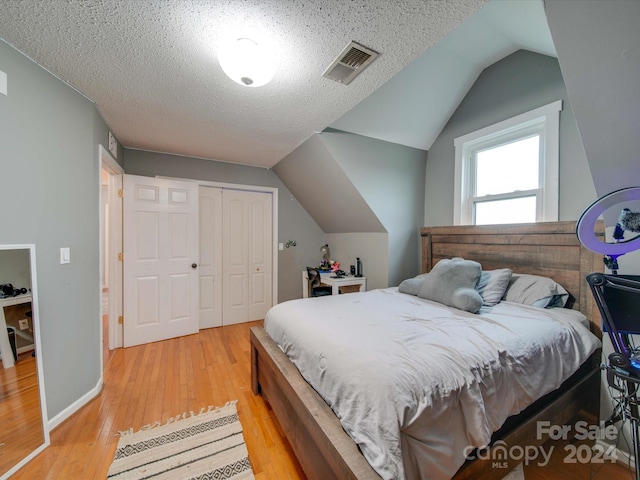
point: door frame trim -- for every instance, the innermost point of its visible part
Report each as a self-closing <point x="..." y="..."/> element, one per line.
<point x="274" y="214"/>
<point x="107" y="162"/>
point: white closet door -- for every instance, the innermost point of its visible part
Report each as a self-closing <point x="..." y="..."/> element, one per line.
<point x="260" y="255"/>
<point x="210" y="257"/>
<point x="161" y="249"/>
<point x="247" y="263"/>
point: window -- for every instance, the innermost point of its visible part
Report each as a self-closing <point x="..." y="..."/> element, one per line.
<point x="508" y="172"/>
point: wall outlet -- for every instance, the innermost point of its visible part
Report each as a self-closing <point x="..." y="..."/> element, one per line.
<point x="24" y="324"/>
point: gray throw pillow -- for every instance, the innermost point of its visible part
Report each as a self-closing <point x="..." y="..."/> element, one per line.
<point x="411" y="286"/>
<point x="452" y="282"/>
<point x="493" y="284"/>
<point x="536" y="291"/>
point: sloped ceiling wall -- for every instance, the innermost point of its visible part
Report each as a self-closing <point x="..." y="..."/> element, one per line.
<point x="598" y="47"/>
<point x="353" y="184"/>
<point x="390" y="177"/>
<point x="315" y="178"/>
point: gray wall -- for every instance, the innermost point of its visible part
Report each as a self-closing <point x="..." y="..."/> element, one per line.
<point x="598" y="47"/>
<point x="354" y="184"/>
<point x="518" y="83"/>
<point x="294" y="223"/>
<point x="15" y="268"/>
<point x="390" y="179"/>
<point x="370" y="248"/>
<point x="49" y="183"/>
<point x="315" y="176"/>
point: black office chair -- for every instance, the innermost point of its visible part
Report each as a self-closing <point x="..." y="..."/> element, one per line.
<point x="315" y="288"/>
<point x="30" y="315"/>
<point x="11" y="333"/>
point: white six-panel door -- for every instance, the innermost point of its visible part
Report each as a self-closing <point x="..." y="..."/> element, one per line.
<point x="210" y="257"/>
<point x="247" y="255"/>
<point x="260" y="255"/>
<point x="160" y="261"/>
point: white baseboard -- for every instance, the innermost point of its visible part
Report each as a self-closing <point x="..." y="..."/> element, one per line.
<point x="621" y="456"/>
<point x="26" y="348"/>
<point x="75" y="406"/>
<point x="20" y="350"/>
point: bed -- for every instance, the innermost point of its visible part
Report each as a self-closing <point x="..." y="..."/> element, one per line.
<point x="549" y="249"/>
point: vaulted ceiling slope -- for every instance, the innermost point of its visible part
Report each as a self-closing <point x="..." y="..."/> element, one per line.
<point x="317" y="180"/>
<point x="151" y="68"/>
<point x="599" y="54"/>
<point x="413" y="107"/>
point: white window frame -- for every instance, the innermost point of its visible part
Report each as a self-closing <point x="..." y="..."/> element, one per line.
<point x="544" y="120"/>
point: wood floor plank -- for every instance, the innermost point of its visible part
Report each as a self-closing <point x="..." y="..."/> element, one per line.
<point x="20" y="417"/>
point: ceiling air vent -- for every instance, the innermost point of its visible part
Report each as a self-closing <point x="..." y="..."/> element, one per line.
<point x="350" y="63"/>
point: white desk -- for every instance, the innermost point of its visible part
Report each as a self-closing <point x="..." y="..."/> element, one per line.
<point x="334" y="283"/>
<point x="5" y="346"/>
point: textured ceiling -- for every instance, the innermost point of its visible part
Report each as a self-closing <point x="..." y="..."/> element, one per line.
<point x="151" y="68"/>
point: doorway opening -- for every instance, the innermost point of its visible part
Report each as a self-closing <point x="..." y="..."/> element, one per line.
<point x="110" y="248"/>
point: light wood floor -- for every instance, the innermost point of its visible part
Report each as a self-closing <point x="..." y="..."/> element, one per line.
<point x="20" y="412"/>
<point x="163" y="379"/>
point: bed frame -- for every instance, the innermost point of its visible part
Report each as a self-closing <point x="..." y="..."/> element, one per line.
<point x="322" y="447"/>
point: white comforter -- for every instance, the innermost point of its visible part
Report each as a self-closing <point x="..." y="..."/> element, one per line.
<point x="414" y="382"/>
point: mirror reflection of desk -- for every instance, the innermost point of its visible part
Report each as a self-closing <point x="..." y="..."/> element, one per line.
<point x="345" y="284"/>
<point x="5" y="346"/>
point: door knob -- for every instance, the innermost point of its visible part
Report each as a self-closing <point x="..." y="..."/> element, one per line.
<point x="194" y="265"/>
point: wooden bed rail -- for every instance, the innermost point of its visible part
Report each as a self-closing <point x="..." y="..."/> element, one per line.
<point x="315" y="434"/>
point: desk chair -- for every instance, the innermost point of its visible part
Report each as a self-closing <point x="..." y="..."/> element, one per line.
<point x="29" y="316"/>
<point x="315" y="289"/>
<point x="11" y="333"/>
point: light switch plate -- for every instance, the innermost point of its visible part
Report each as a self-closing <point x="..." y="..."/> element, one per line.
<point x="3" y="83"/>
<point x="65" y="255"/>
<point x="23" y="324"/>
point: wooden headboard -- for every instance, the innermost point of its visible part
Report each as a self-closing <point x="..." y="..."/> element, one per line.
<point x="548" y="249"/>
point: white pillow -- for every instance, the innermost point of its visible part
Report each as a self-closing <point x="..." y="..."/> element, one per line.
<point x="536" y="291"/>
<point x="493" y="285"/>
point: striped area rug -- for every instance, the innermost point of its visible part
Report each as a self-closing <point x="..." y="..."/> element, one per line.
<point x="206" y="446"/>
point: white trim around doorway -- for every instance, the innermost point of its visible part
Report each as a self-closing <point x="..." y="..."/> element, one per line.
<point x="108" y="163"/>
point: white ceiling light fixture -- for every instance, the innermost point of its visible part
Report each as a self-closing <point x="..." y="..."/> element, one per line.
<point x="246" y="62"/>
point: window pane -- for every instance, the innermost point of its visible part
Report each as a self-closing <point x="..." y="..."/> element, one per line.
<point x="508" y="168"/>
<point x="512" y="210"/>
